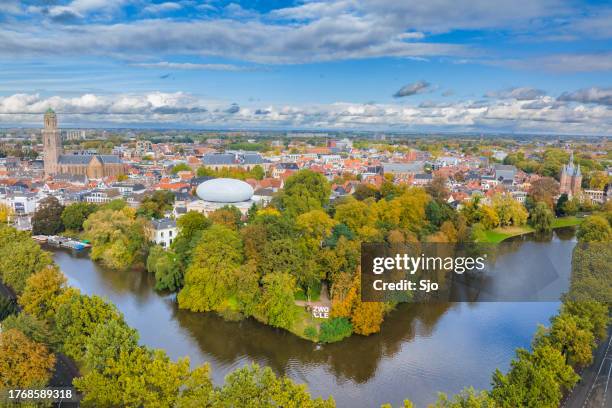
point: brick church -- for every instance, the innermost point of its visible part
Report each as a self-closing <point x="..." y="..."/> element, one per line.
<point x="571" y="179"/>
<point x="55" y="162"/>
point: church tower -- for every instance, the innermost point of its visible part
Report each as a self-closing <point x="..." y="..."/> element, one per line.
<point x="571" y="179"/>
<point x="52" y="142"/>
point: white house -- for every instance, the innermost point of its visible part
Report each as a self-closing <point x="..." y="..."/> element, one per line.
<point x="164" y="231"/>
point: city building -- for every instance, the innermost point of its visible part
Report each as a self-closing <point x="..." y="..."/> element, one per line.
<point x="504" y="172"/>
<point x="571" y="178"/>
<point x="55" y="162"/>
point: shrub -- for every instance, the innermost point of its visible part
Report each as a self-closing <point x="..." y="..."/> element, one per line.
<point x="335" y="330"/>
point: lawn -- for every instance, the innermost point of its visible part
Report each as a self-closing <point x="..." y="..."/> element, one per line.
<point x="500" y="234"/>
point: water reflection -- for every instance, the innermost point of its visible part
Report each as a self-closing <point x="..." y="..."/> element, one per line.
<point x="421" y="350"/>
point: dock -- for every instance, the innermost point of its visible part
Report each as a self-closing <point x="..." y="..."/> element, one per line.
<point x="62" y="242"/>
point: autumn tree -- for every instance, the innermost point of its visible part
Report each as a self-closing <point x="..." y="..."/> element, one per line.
<point x="118" y="238"/>
<point x="229" y="216"/>
<point x="509" y="211"/>
<point x="438" y="188"/>
<point x="23" y="363"/>
<point x="5" y="213"/>
<point x="39" y="297"/>
<point x="595" y="229"/>
<point x="544" y="189"/>
<point x="156" y="204"/>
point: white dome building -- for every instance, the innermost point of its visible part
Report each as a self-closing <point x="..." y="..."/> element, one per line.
<point x="219" y="192"/>
<point x="225" y="190"/>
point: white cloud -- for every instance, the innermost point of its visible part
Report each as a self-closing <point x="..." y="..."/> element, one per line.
<point x="162" y="7"/>
<point x="518" y="93"/>
<point x="543" y="115"/>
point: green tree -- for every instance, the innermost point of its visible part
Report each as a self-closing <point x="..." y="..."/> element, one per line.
<point x="164" y="264"/>
<point x="35" y="329"/>
<point x="277" y="306"/>
<point x="156" y="204"/>
<point x="108" y="340"/>
<point x="594" y="312"/>
<point x="137" y="378"/>
<point x="180" y="167"/>
<point x="573" y="336"/>
<point x="467" y="398"/>
<point x="47" y="220"/>
<point x="74" y="215"/>
<point x="77" y="318"/>
<point x="535" y="380"/>
<point x="209" y="278"/>
<point x="304" y="191"/>
<point x="256" y="387"/>
<point x="542" y="218"/>
<point x="20" y="257"/>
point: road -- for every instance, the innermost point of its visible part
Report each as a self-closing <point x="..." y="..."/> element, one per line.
<point x="595" y="388"/>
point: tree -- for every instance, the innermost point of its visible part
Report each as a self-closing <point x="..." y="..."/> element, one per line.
<point x="118" y="238"/>
<point x="256" y="387"/>
<point x="316" y="225"/>
<point x="542" y="218"/>
<point x="544" y="189"/>
<point x="156" y="204"/>
<point x="359" y="216"/>
<point x="74" y="215"/>
<point x="467" y="398"/>
<point x="209" y="278"/>
<point x="229" y="215"/>
<point x="137" y="378"/>
<point x="438" y="189"/>
<point x="573" y="336"/>
<point x="595" y="229"/>
<point x="560" y="206"/>
<point x="534" y="381"/>
<point x="20" y="257"/>
<point x="23" y="362"/>
<point x="365" y="191"/>
<point x="304" y="191"/>
<point x="35" y="329"/>
<point x="509" y="211"/>
<point x="39" y="297"/>
<point x="107" y="342"/>
<point x="180" y="167"/>
<point x="599" y="180"/>
<point x="439" y="212"/>
<point x="77" y="318"/>
<point x="165" y="266"/>
<point x="5" y="213"/>
<point x="277" y="306"/>
<point x="47" y="220"/>
<point x="594" y="312"/>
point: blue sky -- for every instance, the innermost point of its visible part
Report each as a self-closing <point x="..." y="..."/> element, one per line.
<point x="479" y="65"/>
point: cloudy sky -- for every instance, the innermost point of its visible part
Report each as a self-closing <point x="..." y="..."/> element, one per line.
<point x="448" y="65"/>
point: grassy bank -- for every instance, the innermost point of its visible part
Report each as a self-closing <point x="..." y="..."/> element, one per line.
<point x="500" y="234"/>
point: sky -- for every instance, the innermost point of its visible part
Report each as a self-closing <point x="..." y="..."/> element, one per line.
<point x="521" y="66"/>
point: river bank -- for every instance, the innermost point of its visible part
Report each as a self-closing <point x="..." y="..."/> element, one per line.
<point x="500" y="234"/>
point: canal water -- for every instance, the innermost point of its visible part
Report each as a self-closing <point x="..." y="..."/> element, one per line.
<point x="421" y="350"/>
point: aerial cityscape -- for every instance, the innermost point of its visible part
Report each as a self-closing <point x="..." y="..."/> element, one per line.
<point x="193" y="196"/>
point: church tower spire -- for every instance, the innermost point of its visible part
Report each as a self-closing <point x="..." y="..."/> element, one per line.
<point x="52" y="142"/>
